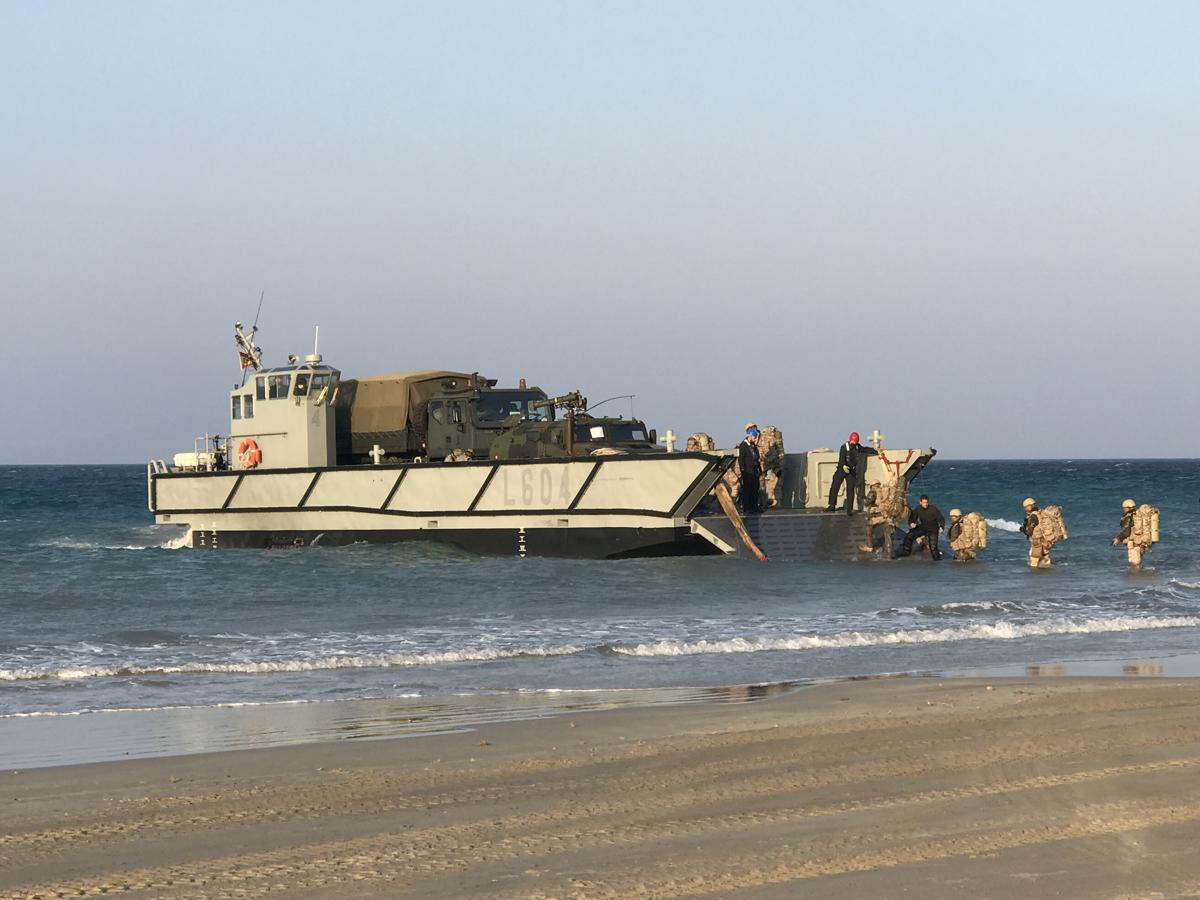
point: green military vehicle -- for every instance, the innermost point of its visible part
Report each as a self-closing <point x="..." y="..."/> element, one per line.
<point x="432" y="414"/>
<point x="578" y="433"/>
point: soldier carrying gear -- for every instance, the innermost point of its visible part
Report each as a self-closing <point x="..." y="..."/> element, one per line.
<point x="1139" y="530"/>
<point x="771" y="459"/>
<point x="751" y="469"/>
<point x="851" y="469"/>
<point x="968" y="534"/>
<point x="884" y="505"/>
<point x="1043" y="528"/>
<point x="1037" y="553"/>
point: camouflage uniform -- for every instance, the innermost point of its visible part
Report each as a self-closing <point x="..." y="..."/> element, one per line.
<point x="875" y="503"/>
<point x="770" y="451"/>
<point x="1133" y="549"/>
<point x="1039" y="553"/>
<point x="961" y="554"/>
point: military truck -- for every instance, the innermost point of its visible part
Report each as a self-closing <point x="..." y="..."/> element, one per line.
<point x="578" y="433"/>
<point x="429" y="414"/>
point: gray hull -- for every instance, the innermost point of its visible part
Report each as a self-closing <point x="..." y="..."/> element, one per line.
<point x="589" y="508"/>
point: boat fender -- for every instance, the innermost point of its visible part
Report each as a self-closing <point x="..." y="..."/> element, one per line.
<point x="248" y="453"/>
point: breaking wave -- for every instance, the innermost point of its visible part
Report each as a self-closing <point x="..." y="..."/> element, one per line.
<point x="998" y="631"/>
<point x="1004" y="525"/>
<point x="994" y="631"/>
<point x="250" y="667"/>
<point x="71" y="544"/>
<point x="243" y="704"/>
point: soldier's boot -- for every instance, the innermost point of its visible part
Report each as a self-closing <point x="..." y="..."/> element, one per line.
<point x="868" y="544"/>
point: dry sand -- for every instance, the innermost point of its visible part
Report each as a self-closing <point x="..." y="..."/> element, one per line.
<point x="905" y="787"/>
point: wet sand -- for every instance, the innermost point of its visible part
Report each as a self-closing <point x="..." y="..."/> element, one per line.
<point x="916" y="787"/>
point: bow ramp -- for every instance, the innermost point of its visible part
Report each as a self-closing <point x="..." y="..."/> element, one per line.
<point x="788" y="534"/>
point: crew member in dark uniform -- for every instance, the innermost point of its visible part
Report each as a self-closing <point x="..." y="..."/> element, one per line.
<point x="751" y="468"/>
<point x="924" y="522"/>
<point x="851" y="469"/>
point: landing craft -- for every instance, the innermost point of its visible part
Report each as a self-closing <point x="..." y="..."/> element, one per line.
<point x="312" y="458"/>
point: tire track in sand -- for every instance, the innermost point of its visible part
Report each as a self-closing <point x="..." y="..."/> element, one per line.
<point x="753" y="775"/>
<point x="429" y="852"/>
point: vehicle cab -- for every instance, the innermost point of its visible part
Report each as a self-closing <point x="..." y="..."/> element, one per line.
<point x="471" y="419"/>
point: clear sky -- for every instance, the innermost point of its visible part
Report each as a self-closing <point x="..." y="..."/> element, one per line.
<point x="971" y="225"/>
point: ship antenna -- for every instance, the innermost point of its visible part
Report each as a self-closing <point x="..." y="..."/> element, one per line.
<point x="628" y="397"/>
<point x="249" y="354"/>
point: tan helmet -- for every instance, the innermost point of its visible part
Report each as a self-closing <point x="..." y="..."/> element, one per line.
<point x="1128" y="504"/>
<point x="956" y="513"/>
<point x="750" y="425"/>
<point x="1028" y="502"/>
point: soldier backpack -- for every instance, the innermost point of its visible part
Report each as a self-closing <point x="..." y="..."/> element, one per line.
<point x="1050" y="527"/>
<point x="972" y="533"/>
<point x="1145" y="526"/>
<point x="891" y="501"/>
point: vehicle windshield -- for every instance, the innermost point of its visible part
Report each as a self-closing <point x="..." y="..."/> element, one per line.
<point x="496" y="406"/>
<point x="612" y="433"/>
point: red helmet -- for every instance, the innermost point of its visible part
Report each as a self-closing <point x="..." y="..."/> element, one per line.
<point x="853" y="437"/>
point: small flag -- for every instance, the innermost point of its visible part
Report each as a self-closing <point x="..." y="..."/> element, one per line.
<point x="247" y="359"/>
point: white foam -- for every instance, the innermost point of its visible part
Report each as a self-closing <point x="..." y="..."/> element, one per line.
<point x="55" y="714"/>
<point x="251" y="667"/>
<point x="69" y="544"/>
<point x="996" y="631"/>
<point x="1003" y="525"/>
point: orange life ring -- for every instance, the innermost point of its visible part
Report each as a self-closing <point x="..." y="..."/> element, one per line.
<point x="248" y="453"/>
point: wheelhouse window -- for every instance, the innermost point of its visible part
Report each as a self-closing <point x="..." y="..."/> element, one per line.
<point x="279" y="386"/>
<point x="236" y="411"/>
<point x="247" y="406"/>
<point x="260" y="387"/>
<point x="301" y="384"/>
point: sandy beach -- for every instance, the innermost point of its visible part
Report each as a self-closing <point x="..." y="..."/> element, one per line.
<point x="919" y="787"/>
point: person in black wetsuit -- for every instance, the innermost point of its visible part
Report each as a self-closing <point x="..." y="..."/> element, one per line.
<point x="926" y="522"/>
<point x="751" y="469"/>
<point x="852" y="466"/>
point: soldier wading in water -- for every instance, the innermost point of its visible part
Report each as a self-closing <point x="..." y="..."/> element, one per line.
<point x="925" y="522"/>
<point x="1039" y="556"/>
<point x="956" y="527"/>
<point x="1043" y="528"/>
<point x="1139" y="530"/>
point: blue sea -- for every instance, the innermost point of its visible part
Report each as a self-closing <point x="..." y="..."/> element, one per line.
<point x="116" y="641"/>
